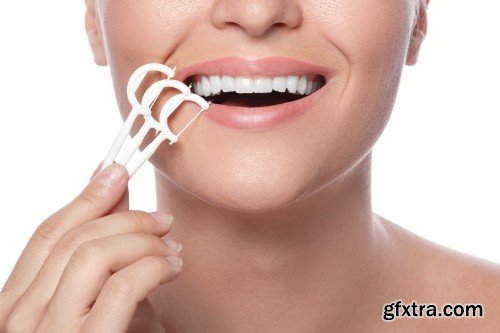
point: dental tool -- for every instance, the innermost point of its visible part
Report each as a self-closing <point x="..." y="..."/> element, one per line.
<point x="144" y="108"/>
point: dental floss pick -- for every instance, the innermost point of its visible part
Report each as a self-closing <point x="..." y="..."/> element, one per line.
<point x="143" y="108"/>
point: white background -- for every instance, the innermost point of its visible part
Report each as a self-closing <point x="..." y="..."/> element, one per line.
<point x="436" y="168"/>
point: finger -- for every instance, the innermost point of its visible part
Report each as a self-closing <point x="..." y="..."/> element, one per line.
<point x="92" y="264"/>
<point x="123" y="204"/>
<point x="99" y="196"/>
<point x="96" y="171"/>
<point x="116" y="304"/>
<point x="44" y="285"/>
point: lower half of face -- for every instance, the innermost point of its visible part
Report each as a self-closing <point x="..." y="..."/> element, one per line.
<point x="362" y="42"/>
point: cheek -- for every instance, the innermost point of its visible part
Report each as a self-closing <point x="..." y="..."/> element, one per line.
<point x="145" y="27"/>
<point x="139" y="32"/>
<point x="361" y="27"/>
<point x="372" y="38"/>
<point x="132" y="28"/>
<point x="371" y="35"/>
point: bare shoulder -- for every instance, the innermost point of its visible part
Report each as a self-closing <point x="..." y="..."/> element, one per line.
<point x="441" y="276"/>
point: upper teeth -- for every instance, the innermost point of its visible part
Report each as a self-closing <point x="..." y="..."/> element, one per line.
<point x="214" y="84"/>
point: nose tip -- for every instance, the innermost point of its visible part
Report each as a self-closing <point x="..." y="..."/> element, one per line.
<point x="256" y="17"/>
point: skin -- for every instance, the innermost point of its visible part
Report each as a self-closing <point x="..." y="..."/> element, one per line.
<point x="277" y="227"/>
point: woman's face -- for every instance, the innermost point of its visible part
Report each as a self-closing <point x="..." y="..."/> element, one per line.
<point x="363" y="42"/>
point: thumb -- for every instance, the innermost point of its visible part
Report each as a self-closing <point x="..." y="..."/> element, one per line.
<point x="123" y="204"/>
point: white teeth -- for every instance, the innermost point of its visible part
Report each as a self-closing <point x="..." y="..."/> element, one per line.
<point x="205" y="84"/>
<point x="227" y="84"/>
<point x="279" y="83"/>
<point x="309" y="87"/>
<point x="214" y="84"/>
<point x="302" y="85"/>
<point x="198" y="89"/>
<point x="262" y="85"/>
<point x="291" y="83"/>
<point x="243" y="85"/>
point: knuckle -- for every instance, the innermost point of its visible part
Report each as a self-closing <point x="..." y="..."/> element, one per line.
<point x="146" y="238"/>
<point x="87" y="199"/>
<point x="153" y="241"/>
<point x="154" y="264"/>
<point x="89" y="252"/>
<point x="47" y="231"/>
<point x="147" y="267"/>
<point x="138" y="218"/>
<point x="151" y="267"/>
<point x="72" y="240"/>
<point x="135" y="219"/>
<point x="118" y="286"/>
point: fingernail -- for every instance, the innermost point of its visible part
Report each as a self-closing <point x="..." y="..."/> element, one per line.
<point x="176" y="261"/>
<point x="112" y="176"/>
<point x="162" y="218"/>
<point x="172" y="244"/>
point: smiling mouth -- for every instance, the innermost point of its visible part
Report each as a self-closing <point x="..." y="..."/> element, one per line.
<point x="254" y="91"/>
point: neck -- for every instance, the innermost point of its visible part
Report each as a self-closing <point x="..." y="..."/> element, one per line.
<point x="311" y="259"/>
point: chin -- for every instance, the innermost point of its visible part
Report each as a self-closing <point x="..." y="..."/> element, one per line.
<point x="258" y="194"/>
<point x="238" y="185"/>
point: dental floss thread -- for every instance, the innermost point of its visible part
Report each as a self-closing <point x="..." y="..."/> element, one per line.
<point x="144" y="108"/>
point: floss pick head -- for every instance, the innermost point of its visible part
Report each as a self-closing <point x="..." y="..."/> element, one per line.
<point x="143" y="108"/>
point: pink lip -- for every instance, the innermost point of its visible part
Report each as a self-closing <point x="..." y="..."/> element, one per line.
<point x="257" y="118"/>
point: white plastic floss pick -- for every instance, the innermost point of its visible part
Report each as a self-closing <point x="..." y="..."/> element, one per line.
<point x="144" y="108"/>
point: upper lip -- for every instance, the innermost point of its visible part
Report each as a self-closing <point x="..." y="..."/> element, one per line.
<point x="246" y="67"/>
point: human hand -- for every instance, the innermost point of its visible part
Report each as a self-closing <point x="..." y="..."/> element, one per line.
<point x="90" y="265"/>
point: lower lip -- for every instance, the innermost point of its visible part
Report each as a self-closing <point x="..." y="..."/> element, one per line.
<point x="260" y="118"/>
